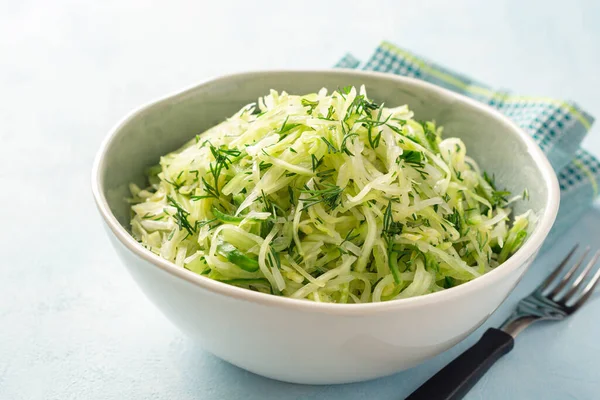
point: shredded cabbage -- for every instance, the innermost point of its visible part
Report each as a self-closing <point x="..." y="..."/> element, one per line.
<point x="331" y="198"/>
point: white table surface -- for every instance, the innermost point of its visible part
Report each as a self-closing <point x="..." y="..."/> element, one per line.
<point x="73" y="325"/>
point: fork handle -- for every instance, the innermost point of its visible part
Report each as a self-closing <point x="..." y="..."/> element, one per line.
<point x="459" y="376"/>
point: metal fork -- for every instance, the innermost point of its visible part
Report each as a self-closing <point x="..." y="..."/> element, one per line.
<point x="558" y="296"/>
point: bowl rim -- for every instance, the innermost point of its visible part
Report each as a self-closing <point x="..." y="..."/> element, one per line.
<point x="544" y="223"/>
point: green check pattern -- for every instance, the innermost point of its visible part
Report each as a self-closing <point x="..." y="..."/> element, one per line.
<point x="557" y="126"/>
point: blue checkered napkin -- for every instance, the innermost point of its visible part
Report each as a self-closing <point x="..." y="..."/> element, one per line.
<point x="557" y="126"/>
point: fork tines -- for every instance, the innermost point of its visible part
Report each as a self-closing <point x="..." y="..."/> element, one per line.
<point x="564" y="288"/>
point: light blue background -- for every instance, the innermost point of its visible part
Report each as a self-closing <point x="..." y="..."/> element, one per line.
<point x="73" y="325"/>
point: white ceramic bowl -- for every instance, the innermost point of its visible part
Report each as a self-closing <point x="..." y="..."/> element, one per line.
<point x="296" y="340"/>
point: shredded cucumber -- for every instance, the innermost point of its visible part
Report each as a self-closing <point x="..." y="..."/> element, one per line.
<point x="330" y="198"/>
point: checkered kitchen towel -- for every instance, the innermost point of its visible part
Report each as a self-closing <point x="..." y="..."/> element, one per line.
<point x="557" y="126"/>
